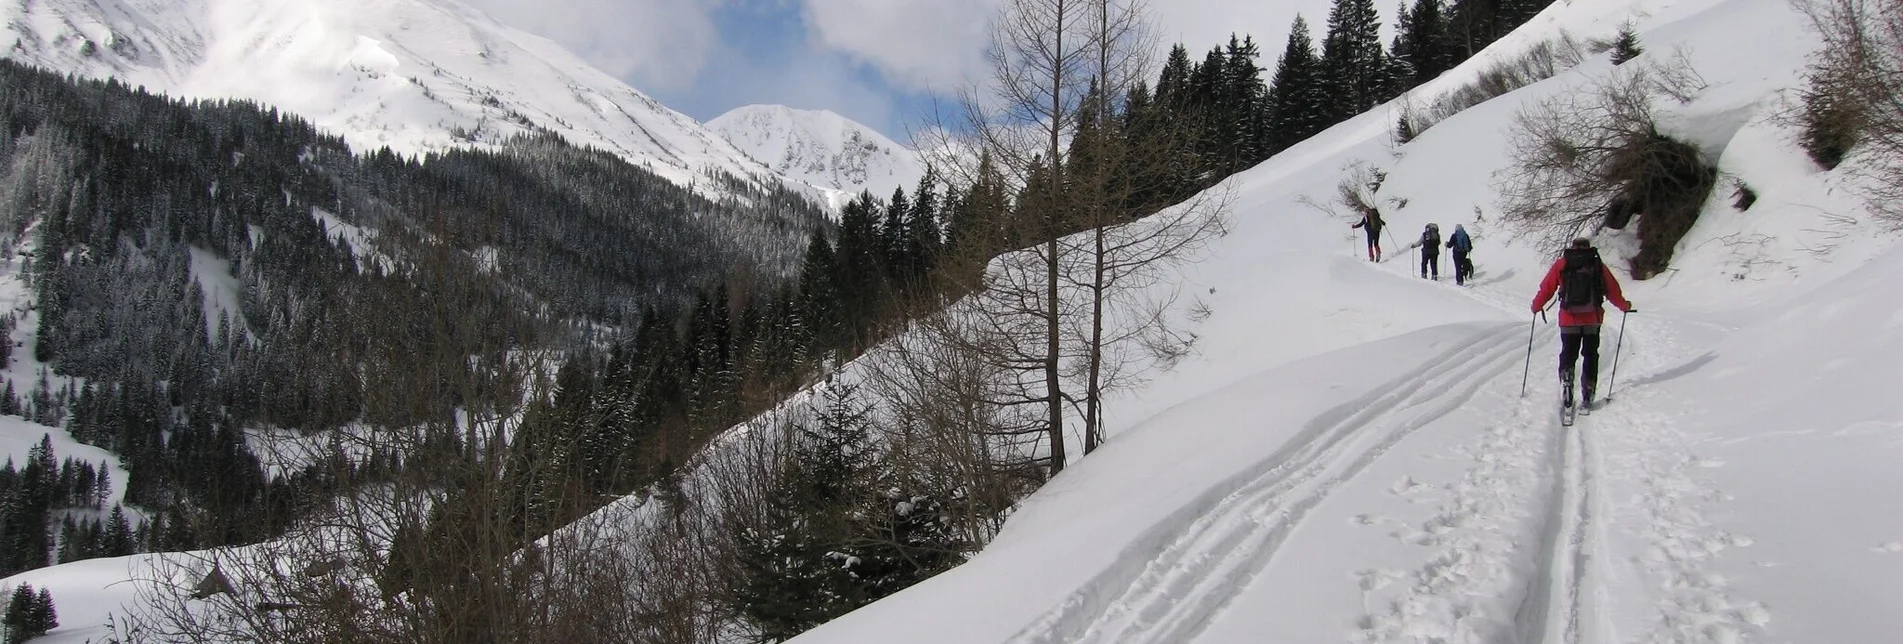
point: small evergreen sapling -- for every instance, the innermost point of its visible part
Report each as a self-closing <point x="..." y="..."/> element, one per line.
<point x="29" y="614"/>
<point x="1626" y="46"/>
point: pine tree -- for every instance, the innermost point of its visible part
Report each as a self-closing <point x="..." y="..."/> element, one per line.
<point x="1246" y="97"/>
<point x="45" y="614"/>
<point x="924" y="235"/>
<point x="1173" y="85"/>
<point x="1423" y="41"/>
<point x="795" y="565"/>
<point x="1297" y="99"/>
<point x="118" y="537"/>
<point x="29" y="614"/>
<point x="1353" y="59"/>
<point x="1626" y="46"/>
<point x="820" y="302"/>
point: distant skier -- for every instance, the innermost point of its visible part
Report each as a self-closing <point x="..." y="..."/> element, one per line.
<point x="1429" y="243"/>
<point x="1371" y="223"/>
<point x="1461" y="244"/>
<point x="1583" y="283"/>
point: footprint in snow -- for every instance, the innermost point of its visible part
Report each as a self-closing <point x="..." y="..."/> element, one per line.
<point x="1376" y="578"/>
<point x="1406" y="486"/>
<point x="1891" y="547"/>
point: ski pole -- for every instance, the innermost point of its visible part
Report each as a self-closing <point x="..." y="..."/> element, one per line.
<point x="1618" y="348"/>
<point x="1524" y="374"/>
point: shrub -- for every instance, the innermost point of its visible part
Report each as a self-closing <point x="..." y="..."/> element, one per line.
<point x="1851" y="101"/>
<point x="1597" y="159"/>
<point x="1542" y="61"/>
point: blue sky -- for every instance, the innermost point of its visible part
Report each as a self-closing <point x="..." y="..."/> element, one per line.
<point x="767" y="55"/>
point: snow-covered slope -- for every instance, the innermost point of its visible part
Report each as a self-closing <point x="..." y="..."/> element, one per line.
<point x="415" y="75"/>
<point x="1351" y="458"/>
<point x="821" y="148"/>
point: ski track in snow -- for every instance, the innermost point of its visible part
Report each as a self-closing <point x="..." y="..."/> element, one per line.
<point x="1526" y="464"/>
<point x="1200" y="566"/>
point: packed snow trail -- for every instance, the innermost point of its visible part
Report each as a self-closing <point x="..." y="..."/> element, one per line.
<point x="1553" y="612"/>
<point x="1173" y="596"/>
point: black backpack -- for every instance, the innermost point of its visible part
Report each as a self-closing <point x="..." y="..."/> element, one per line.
<point x="1583" y="284"/>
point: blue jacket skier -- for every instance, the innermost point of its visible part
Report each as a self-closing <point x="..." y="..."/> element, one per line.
<point x="1462" y="245"/>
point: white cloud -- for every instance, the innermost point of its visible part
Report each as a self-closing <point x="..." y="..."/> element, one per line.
<point x="659" y="44"/>
<point x="937" y="44"/>
<point x="919" y="44"/>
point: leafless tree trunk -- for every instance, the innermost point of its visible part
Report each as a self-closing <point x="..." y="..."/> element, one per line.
<point x="1040" y="58"/>
<point x="1128" y="326"/>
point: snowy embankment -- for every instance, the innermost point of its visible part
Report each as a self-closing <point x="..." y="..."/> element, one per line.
<point x="1350" y="457"/>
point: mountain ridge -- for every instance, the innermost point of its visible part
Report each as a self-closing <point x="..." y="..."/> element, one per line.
<point x="417" y="76"/>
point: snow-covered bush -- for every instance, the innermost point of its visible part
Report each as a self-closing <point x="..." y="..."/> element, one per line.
<point x="1583" y="160"/>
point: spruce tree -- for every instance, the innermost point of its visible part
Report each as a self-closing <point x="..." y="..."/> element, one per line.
<point x="1353" y="59"/>
<point x="924" y="235"/>
<point x="1297" y="99"/>
<point x="1626" y="46"/>
<point x="1173" y="85"/>
<point x="1245" y="97"/>
<point x="820" y="304"/>
<point x="29" y="614"/>
<point x="1423" y="47"/>
<point x="894" y="240"/>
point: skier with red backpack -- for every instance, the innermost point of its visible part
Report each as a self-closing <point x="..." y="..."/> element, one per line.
<point x="1583" y="283"/>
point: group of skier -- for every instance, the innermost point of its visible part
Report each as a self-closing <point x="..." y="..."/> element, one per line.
<point x="1459" y="243"/>
<point x="1581" y="281"/>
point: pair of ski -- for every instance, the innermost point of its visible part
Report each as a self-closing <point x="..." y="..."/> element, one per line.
<point x="1568" y="410"/>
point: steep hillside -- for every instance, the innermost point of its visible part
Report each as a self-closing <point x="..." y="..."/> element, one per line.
<point x="821" y="148"/>
<point x="414" y="75"/>
<point x="183" y="279"/>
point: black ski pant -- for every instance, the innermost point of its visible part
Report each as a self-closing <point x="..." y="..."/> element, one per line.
<point x="1374" y="245"/>
<point x="1463" y="267"/>
<point x="1577" y="342"/>
<point x="1430" y="259"/>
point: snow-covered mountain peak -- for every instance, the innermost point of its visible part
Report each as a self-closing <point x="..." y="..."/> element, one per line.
<point x="821" y="148"/>
<point x="415" y="75"/>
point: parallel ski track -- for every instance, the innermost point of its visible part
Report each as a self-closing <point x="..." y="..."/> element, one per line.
<point x="1559" y="598"/>
<point x="1209" y="551"/>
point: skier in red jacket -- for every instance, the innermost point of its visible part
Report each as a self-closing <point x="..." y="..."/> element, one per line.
<point x="1583" y="284"/>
